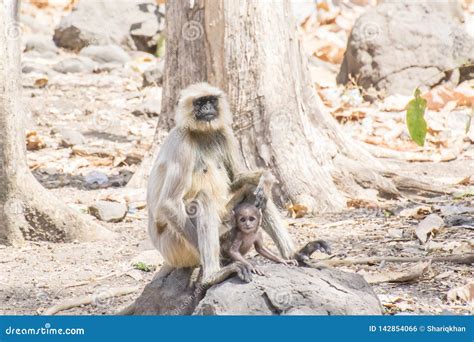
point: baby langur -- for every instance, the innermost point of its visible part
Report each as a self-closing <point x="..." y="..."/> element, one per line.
<point x="245" y="232"/>
<point x="245" y="235"/>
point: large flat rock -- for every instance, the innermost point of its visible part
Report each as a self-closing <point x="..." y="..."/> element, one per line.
<point x="283" y="291"/>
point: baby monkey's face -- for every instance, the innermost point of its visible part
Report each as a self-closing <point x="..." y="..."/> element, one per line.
<point x="248" y="220"/>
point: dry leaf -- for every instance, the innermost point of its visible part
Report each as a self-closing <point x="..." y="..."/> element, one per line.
<point x="428" y="226"/>
<point x="39" y="3"/>
<point x="469" y="180"/>
<point x="440" y="97"/>
<point x="34" y="141"/>
<point x="297" y="210"/>
<point x="416" y="212"/>
<point x="413" y="273"/>
<point x="362" y="203"/>
<point x="328" y="52"/>
<point x="343" y="115"/>
<point x="41" y="82"/>
<point x="464" y="293"/>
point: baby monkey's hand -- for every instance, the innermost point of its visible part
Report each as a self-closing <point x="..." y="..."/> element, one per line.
<point x="291" y="262"/>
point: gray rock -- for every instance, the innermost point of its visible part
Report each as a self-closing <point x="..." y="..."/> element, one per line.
<point x="150" y="108"/>
<point x="107" y="67"/>
<point x="34" y="24"/>
<point x="94" y="22"/>
<point x="28" y="67"/>
<point x="284" y="291"/>
<point x="40" y="43"/>
<point x="75" y="65"/>
<point x="400" y="45"/>
<point x="105" y="54"/>
<point x="292" y="290"/>
<point x="465" y="221"/>
<point x="145" y="34"/>
<point x="71" y="138"/>
<point x="108" y="211"/>
<point x="153" y="76"/>
<point x="96" y="177"/>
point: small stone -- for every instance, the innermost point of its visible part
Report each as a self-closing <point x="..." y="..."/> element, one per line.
<point x="153" y="76"/>
<point x="106" y="54"/>
<point x="395" y="233"/>
<point x="150" y="108"/>
<point x="32" y="68"/>
<point x="108" y="211"/>
<point x="75" y="65"/>
<point x="71" y="138"/>
<point x="40" y="44"/>
<point x="96" y="177"/>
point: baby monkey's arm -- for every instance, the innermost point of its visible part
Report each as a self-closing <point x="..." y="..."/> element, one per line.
<point x="263" y="251"/>
<point x="235" y="255"/>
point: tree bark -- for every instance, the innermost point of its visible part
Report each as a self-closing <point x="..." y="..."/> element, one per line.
<point x="27" y="210"/>
<point x="250" y="49"/>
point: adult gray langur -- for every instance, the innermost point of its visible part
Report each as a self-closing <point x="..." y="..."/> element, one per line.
<point x="195" y="182"/>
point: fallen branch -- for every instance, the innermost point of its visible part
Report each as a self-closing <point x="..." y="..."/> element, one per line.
<point x="88" y="299"/>
<point x="93" y="280"/>
<point x="457" y="259"/>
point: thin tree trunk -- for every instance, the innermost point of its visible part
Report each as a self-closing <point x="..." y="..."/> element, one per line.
<point x="250" y="49"/>
<point x="27" y="210"/>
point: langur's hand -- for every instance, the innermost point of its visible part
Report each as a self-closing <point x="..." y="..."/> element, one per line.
<point x="244" y="271"/>
<point x="257" y="271"/>
<point x="291" y="262"/>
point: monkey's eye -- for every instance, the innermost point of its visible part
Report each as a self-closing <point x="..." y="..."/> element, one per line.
<point x="242" y="219"/>
<point x="252" y="219"/>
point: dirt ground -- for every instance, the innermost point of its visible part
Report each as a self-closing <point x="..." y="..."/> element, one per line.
<point x="100" y="106"/>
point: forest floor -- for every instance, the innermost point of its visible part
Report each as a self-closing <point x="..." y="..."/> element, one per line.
<point x="107" y="108"/>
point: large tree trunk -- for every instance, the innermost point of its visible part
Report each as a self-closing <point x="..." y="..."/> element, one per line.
<point x="250" y="49"/>
<point x="27" y="209"/>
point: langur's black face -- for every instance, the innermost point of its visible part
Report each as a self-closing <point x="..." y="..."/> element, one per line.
<point x="247" y="219"/>
<point x="205" y="108"/>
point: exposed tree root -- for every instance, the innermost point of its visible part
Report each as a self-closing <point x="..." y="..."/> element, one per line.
<point x="32" y="213"/>
<point x="457" y="259"/>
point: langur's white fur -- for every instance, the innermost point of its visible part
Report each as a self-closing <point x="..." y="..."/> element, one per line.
<point x="197" y="163"/>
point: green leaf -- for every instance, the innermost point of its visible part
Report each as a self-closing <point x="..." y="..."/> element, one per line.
<point x="143" y="267"/>
<point x="468" y="125"/>
<point x="160" y="46"/>
<point x="463" y="194"/>
<point x="415" y="118"/>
